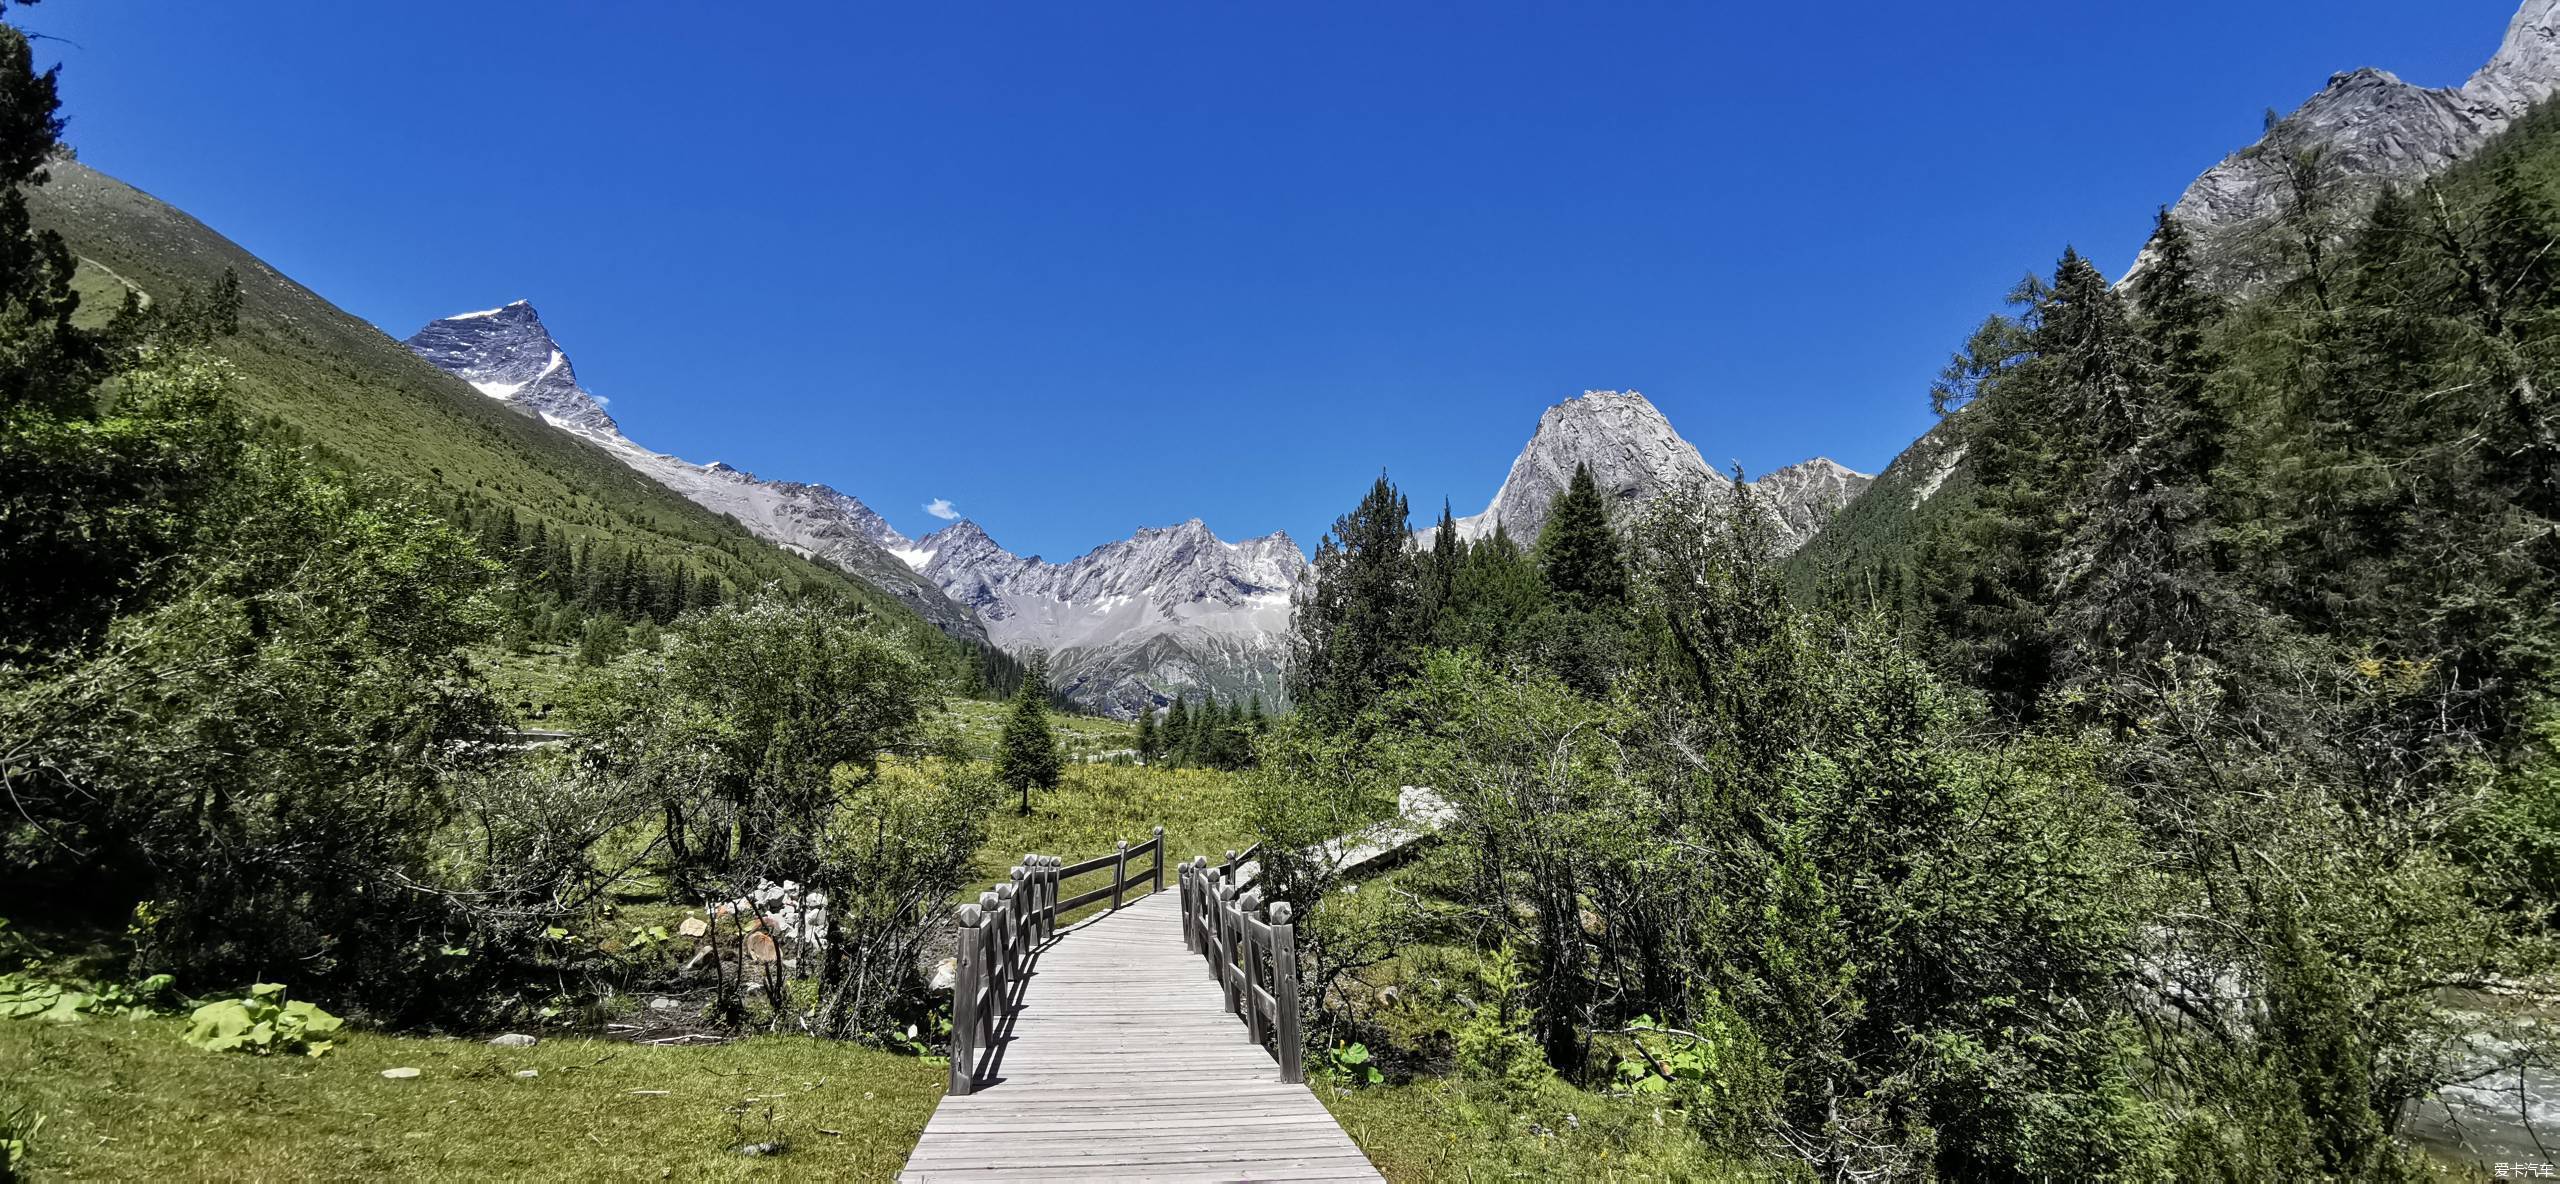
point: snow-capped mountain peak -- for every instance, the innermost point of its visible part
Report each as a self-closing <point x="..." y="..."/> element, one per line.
<point x="507" y="354"/>
<point x="1129" y="623"/>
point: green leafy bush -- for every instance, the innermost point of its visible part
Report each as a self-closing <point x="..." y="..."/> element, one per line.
<point x="262" y="1023"/>
<point x="1350" y="1064"/>
<point x="27" y="997"/>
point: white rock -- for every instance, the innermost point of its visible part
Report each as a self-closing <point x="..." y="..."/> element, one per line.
<point x="401" y="1074"/>
<point x="515" y="1040"/>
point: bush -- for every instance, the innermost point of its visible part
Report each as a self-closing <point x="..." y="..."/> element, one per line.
<point x="262" y="1023"/>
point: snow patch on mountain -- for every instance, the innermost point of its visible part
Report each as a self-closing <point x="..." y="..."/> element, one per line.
<point x="1131" y="623"/>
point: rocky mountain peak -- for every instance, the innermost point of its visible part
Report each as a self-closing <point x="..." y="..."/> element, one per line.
<point x="1806" y="495"/>
<point x="506" y="353"/>
<point x="1634" y="455"/>
<point x="2371" y="130"/>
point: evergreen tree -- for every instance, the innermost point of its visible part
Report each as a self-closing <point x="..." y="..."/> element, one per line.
<point x="93" y="498"/>
<point x="2147" y="583"/>
<point x="1585" y="569"/>
<point x="1027" y="753"/>
<point x="1355" y="634"/>
<point x="1437" y="582"/>
<point x="1496" y="594"/>
<point x="1147" y="740"/>
<point x="1177" y="729"/>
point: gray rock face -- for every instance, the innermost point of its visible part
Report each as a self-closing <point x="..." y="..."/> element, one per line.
<point x="1130" y="623"/>
<point x="1807" y="495"/>
<point x="2369" y="130"/>
<point x="1635" y="455"/>
<point x="507" y="354"/>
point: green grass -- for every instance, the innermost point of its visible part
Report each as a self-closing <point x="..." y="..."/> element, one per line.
<point x="1446" y="1129"/>
<point x="125" y="1099"/>
<point x="1085" y="737"/>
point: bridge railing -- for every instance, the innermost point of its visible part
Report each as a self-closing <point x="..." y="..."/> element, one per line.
<point x="1252" y="952"/>
<point x="1000" y="936"/>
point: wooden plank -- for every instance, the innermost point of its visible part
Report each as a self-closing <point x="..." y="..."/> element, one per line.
<point x="1084" y="1084"/>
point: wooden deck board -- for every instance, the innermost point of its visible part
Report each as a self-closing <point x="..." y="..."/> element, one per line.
<point x="1121" y="1064"/>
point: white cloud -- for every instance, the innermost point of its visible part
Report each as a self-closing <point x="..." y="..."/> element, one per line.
<point x="941" y="508"/>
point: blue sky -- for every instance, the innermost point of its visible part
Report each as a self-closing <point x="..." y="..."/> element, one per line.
<point x="1079" y="268"/>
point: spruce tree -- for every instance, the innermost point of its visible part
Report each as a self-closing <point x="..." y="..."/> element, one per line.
<point x="1177" y="728"/>
<point x="2147" y="584"/>
<point x="1437" y="582"/>
<point x="1355" y="631"/>
<point x="1498" y="592"/>
<point x="1585" y="569"/>
<point x="1027" y="753"/>
<point x="1146" y="741"/>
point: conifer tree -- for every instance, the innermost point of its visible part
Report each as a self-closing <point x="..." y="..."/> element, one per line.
<point x="1437" y="582"/>
<point x="1498" y="592"/>
<point x="1146" y="741"/>
<point x="1177" y="728"/>
<point x="2146" y="583"/>
<point x="1585" y="569"/>
<point x="1355" y="631"/>
<point x="1027" y="752"/>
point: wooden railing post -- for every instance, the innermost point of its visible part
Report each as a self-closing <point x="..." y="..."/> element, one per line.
<point x="1158" y="877"/>
<point x="1119" y="872"/>
<point x="990" y="969"/>
<point x="1008" y="936"/>
<point x="1226" y="944"/>
<point x="1039" y="898"/>
<point x="1198" y="870"/>
<point x="1291" y="1040"/>
<point x="1251" y="978"/>
<point x="964" y="1004"/>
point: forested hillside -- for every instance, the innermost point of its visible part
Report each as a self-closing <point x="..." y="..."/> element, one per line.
<point x="2153" y="775"/>
<point x="591" y="537"/>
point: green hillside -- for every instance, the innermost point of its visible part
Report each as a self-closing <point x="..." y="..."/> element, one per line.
<point x="1865" y="553"/>
<point x="365" y="402"/>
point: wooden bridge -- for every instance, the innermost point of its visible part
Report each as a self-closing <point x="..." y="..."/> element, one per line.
<point x="1157" y="1041"/>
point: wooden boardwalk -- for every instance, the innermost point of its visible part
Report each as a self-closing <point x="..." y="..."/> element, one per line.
<point x="1122" y="1064"/>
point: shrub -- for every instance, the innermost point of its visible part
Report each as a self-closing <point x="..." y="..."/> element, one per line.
<point x="262" y="1023"/>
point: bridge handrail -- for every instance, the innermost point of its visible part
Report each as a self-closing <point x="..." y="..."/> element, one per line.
<point x="999" y="940"/>
<point x="1247" y="944"/>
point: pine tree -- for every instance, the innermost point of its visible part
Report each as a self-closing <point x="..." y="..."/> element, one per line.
<point x="2147" y="583"/>
<point x="1498" y="592"/>
<point x="1177" y="728"/>
<point x="1578" y="552"/>
<point x="1354" y="634"/>
<point x="1027" y="753"/>
<point x="1437" y="593"/>
<point x="1146" y="742"/>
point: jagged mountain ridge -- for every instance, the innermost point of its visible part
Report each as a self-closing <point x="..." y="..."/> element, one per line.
<point x="507" y="354"/>
<point x="1131" y="623"/>
<point x="2373" y="130"/>
<point x="2370" y="130"/>
<point x="1636" y="455"/>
